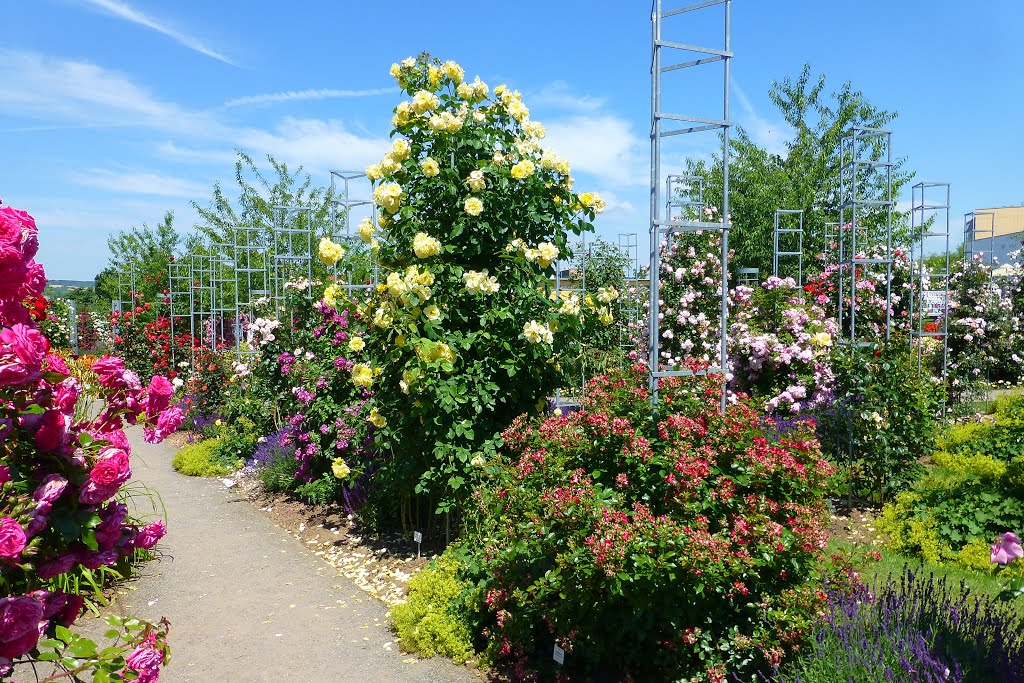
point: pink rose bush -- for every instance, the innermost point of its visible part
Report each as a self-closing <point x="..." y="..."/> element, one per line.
<point x="779" y="345"/>
<point x="60" y="473"/>
<point x="689" y="308"/>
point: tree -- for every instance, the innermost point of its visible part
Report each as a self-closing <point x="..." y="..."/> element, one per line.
<point x="138" y="258"/>
<point x="806" y="177"/>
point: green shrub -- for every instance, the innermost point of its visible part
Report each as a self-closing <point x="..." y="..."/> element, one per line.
<point x="973" y="492"/>
<point x="884" y="416"/>
<point x="673" y="549"/>
<point x="235" y="442"/>
<point x="197" y="460"/>
<point x="429" y="623"/>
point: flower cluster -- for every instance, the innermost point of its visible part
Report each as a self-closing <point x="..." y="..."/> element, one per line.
<point x="60" y="474"/>
<point x="779" y="347"/>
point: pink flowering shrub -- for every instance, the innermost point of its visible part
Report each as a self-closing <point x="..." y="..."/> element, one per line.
<point x="689" y="307"/>
<point x="869" y="301"/>
<point x="779" y="345"/>
<point x="60" y="472"/>
<point x="675" y="549"/>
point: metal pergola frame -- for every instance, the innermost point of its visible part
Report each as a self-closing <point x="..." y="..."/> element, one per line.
<point x="971" y="233"/>
<point x="777" y="239"/>
<point x="665" y="124"/>
<point x="928" y="220"/>
<point x="865" y="158"/>
<point x="347" y="188"/>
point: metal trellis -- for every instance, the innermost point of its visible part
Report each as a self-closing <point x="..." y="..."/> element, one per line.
<point x="929" y="220"/>
<point x="665" y="124"/>
<point x="789" y="223"/>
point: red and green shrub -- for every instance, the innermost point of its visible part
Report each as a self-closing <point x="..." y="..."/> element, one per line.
<point x="661" y="549"/>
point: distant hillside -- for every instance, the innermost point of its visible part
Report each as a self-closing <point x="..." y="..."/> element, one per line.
<point x="67" y="284"/>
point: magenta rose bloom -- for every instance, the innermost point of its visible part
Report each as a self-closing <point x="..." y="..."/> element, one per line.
<point x="19" y="625"/>
<point x="12" y="312"/>
<point x="160" y="392"/>
<point x="55" y="363"/>
<point x="65" y="396"/>
<point x="18" y="229"/>
<point x="150" y="534"/>
<point x="12" y="539"/>
<point x="13" y="270"/>
<point x="38" y="519"/>
<point x="62" y="608"/>
<point x="1007" y="548"/>
<point x="61" y="565"/>
<point x="50" y="489"/>
<point x="95" y="560"/>
<point x="34" y="282"/>
<point x="51" y="433"/>
<point x="111" y="470"/>
<point x="22" y="350"/>
<point x="166" y="424"/>
<point x="5" y="472"/>
<point x="109" y="531"/>
<point x="146" y="660"/>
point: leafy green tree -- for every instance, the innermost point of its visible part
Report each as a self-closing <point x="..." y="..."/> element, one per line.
<point x="805" y="177"/>
<point x="139" y="258"/>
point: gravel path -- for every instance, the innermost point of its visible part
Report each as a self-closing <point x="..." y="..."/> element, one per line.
<point x="248" y="602"/>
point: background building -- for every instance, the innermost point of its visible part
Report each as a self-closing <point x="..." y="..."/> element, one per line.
<point x="999" y="230"/>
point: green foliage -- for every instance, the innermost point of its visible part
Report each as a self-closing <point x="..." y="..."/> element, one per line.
<point x="430" y="622"/>
<point x="278" y="475"/>
<point x="76" y="658"/>
<point x="199" y="460"/>
<point x="235" y="442"/>
<point x="805" y="176"/>
<point x="146" y="251"/>
<point x="973" y="492"/>
<point x="883" y="421"/>
<point x="662" y="550"/>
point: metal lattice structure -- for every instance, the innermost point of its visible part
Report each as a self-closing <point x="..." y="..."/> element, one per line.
<point x="831" y="243"/>
<point x="748" y="277"/>
<point x="202" y="300"/>
<point x="180" y="304"/>
<point x="929" y="220"/>
<point x="629" y="301"/>
<point x="684" y="196"/>
<point x="865" y="173"/>
<point x="973" y="232"/>
<point x="788" y="241"/>
<point x="72" y="326"/>
<point x="251" y="282"/>
<point x="665" y="124"/>
<point x="353" y="196"/>
<point x="573" y="280"/>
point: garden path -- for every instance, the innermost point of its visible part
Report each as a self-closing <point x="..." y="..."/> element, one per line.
<point x="249" y="602"/>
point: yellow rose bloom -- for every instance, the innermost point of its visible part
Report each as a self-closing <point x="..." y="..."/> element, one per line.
<point x="362" y="375"/>
<point x="409" y="62"/>
<point x="432" y="312"/>
<point x="473" y="206"/>
<point x="403" y="114"/>
<point x="329" y="252"/>
<point x="424" y="101"/>
<point x="476" y="180"/>
<point x="535" y="129"/>
<point x="381" y="318"/>
<point x="453" y="71"/>
<point x="535" y="333"/>
<point x="366" y="229"/>
<point x="547" y="253"/>
<point x="429" y="167"/>
<point x="388" y="196"/>
<point x="376" y="419"/>
<point x="356" y="344"/>
<point x="374" y="172"/>
<point x="587" y="199"/>
<point x="330" y="295"/>
<point x="524" y="169"/>
<point x="821" y="339"/>
<point x="425" y="246"/>
<point x="434" y="75"/>
<point x="606" y="295"/>
<point x="604" y="316"/>
<point x="400" y="149"/>
<point x="395" y="71"/>
<point x="340" y="468"/>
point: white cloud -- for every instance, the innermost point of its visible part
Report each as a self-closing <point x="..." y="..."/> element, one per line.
<point x="299" y="95"/>
<point x="315" y="144"/>
<point x="139" y="182"/>
<point x="52" y="89"/>
<point x="773" y="136"/>
<point x="124" y="11"/>
<point x="604" y="146"/>
<point x="557" y="95"/>
<point x="173" y="151"/>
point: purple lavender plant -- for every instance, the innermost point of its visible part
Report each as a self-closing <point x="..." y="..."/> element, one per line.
<point x="915" y="630"/>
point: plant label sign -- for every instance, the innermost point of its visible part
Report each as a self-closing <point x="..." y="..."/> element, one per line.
<point x="934" y="302"/>
<point x="417" y="537"/>
<point x="559" y="655"/>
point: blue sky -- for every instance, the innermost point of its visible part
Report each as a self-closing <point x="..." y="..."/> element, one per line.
<point x="114" y="111"/>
